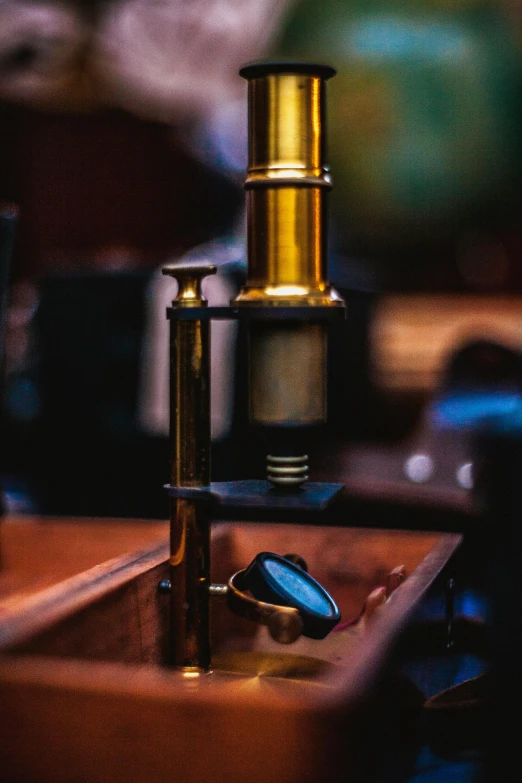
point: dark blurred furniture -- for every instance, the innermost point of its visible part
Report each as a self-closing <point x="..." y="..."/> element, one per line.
<point x="104" y="198"/>
<point x="89" y="455"/>
<point x="8" y="218"/>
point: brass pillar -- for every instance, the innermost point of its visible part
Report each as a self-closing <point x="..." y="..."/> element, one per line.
<point x="189" y="467"/>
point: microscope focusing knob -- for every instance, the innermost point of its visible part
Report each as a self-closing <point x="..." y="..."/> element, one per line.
<point x="298" y="560"/>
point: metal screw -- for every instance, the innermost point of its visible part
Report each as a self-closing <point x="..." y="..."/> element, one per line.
<point x="450" y="612"/>
<point x="219" y="590"/>
<point x="164" y="586"/>
<point x="297" y="560"/>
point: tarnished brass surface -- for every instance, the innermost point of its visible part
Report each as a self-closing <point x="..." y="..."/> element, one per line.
<point x="189" y="467"/>
<point x="287" y="181"/>
<point x="190" y="579"/>
<point x="189" y="382"/>
<point x="287" y="373"/>
<point x="189" y="404"/>
<point x="284" y="622"/>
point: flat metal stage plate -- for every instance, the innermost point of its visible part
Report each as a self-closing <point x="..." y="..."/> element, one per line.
<point x="258" y="493"/>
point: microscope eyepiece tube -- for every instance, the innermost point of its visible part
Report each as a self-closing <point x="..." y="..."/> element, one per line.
<point x="287" y="182"/>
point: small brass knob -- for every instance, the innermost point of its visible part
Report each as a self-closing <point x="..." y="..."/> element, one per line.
<point x="297" y="560"/>
<point x="189" y="276"/>
<point x="284" y="627"/>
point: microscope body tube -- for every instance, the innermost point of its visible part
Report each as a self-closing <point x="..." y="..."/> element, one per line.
<point x="287" y="184"/>
<point x="287" y="374"/>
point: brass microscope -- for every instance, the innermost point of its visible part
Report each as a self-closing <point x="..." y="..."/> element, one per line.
<point x="288" y="304"/>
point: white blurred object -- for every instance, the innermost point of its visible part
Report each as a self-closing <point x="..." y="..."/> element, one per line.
<point x="41" y="45"/>
<point x="464" y="475"/>
<point x="220" y="140"/>
<point x="419" y="468"/>
<point x="169" y="61"/>
<point x="218" y="289"/>
<point x="176" y="59"/>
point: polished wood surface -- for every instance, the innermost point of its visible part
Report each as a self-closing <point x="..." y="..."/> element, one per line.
<point x="53" y="567"/>
<point x="83" y="696"/>
<point x="40" y="551"/>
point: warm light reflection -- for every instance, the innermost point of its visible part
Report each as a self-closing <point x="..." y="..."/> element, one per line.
<point x="193" y="674"/>
<point x="286" y="290"/>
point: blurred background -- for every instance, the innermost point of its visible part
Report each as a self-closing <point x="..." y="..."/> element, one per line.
<point x="123" y="146"/>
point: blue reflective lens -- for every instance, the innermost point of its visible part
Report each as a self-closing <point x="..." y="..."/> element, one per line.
<point x="300" y="586"/>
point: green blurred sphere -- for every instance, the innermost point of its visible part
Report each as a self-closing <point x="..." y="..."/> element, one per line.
<point x="424" y="123"/>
